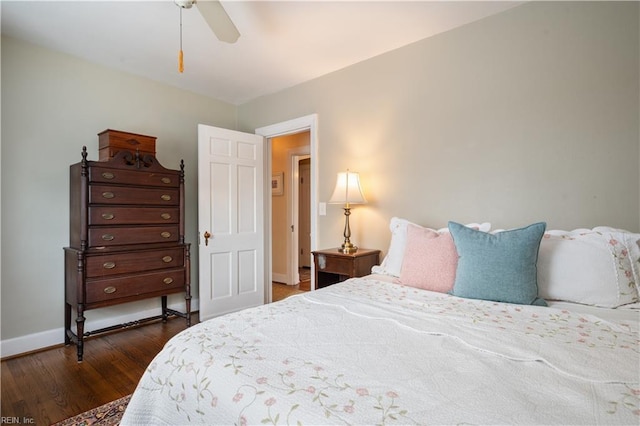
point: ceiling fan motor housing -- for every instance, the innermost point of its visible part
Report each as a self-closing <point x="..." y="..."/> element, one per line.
<point x="185" y="4"/>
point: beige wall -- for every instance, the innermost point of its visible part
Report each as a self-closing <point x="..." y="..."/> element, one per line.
<point x="281" y="147"/>
<point x="524" y="116"/>
<point x="52" y="105"/>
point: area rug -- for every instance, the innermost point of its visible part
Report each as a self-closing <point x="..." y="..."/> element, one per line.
<point x="108" y="414"/>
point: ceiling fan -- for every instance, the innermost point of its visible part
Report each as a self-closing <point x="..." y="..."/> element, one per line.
<point x="215" y="16"/>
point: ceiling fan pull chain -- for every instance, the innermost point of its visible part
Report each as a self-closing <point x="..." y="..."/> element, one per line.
<point x="180" y="55"/>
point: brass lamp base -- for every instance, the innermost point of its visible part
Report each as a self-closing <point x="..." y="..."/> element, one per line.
<point x="348" y="248"/>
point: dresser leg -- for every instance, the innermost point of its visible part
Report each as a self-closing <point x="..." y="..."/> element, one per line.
<point x="187" y="301"/>
<point x="80" y="331"/>
<point x="187" y="283"/>
<point x="67" y="324"/>
<point x="165" y="314"/>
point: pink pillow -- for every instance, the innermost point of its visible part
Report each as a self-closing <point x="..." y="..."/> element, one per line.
<point x="430" y="260"/>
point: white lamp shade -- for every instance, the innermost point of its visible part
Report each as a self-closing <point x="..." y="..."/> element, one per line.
<point x="348" y="189"/>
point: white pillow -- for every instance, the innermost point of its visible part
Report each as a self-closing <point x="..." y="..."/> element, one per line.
<point x="631" y="242"/>
<point x="392" y="263"/>
<point x="590" y="266"/>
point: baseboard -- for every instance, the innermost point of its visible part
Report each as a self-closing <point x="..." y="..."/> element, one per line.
<point x="55" y="337"/>
<point x="279" y="278"/>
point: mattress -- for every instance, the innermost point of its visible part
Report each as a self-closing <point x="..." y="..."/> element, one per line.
<point x="370" y="351"/>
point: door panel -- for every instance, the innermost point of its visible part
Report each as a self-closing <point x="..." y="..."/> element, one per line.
<point x="304" y="215"/>
<point x="231" y="209"/>
<point x="220" y="193"/>
<point x="247" y="191"/>
<point x="220" y="264"/>
<point x="247" y="264"/>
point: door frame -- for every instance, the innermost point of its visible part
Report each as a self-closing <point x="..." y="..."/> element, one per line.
<point x="296" y="125"/>
<point x="293" y="210"/>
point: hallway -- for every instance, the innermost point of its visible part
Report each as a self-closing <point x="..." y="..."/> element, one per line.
<point x="282" y="291"/>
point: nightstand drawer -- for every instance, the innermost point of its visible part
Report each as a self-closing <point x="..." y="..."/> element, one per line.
<point x="336" y="265"/>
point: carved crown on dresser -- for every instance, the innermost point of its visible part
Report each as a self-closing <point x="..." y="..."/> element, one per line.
<point x="126" y="238"/>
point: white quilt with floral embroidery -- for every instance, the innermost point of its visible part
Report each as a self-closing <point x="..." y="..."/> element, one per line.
<point x="371" y="352"/>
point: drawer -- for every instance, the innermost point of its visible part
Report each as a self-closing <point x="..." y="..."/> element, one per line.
<point x="106" y="215"/>
<point x="104" y="194"/>
<point x="106" y="236"/>
<point x="335" y="265"/>
<point x="137" y="261"/>
<point x="133" y="177"/>
<point x="139" y="284"/>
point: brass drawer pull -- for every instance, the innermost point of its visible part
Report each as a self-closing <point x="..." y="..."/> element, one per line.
<point x="109" y="265"/>
<point x="110" y="289"/>
<point x="165" y="234"/>
<point x="165" y="180"/>
<point x="108" y="175"/>
<point x="165" y="216"/>
<point x="108" y="194"/>
<point x="165" y="197"/>
<point x="168" y="280"/>
<point x="108" y="237"/>
<point x="108" y="216"/>
<point x="167" y="259"/>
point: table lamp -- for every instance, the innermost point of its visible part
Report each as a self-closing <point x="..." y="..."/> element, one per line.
<point x="347" y="192"/>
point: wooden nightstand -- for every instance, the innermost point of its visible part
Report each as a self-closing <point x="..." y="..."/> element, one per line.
<point x="332" y="266"/>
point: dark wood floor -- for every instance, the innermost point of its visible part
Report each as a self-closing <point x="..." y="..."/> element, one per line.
<point x="49" y="386"/>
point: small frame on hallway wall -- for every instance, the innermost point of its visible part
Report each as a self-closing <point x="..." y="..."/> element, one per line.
<point x="276" y="183"/>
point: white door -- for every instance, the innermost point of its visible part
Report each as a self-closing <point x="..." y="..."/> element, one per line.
<point x="231" y="221"/>
<point x="304" y="213"/>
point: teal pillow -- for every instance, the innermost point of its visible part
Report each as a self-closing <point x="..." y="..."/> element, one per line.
<point x="500" y="266"/>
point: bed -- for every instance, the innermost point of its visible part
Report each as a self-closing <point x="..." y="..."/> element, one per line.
<point x="385" y="349"/>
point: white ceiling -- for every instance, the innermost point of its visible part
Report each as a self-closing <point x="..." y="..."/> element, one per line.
<point x="282" y="43"/>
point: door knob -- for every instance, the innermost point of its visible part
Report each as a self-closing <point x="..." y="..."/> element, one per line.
<point x="207" y="235"/>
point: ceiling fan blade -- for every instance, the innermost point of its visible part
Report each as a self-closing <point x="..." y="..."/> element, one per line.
<point x="217" y="18"/>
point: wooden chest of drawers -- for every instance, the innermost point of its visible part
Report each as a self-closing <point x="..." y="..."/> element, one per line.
<point x="110" y="142"/>
<point x="126" y="239"/>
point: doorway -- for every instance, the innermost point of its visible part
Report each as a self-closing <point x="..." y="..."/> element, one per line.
<point x="290" y="207"/>
<point x="308" y="124"/>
